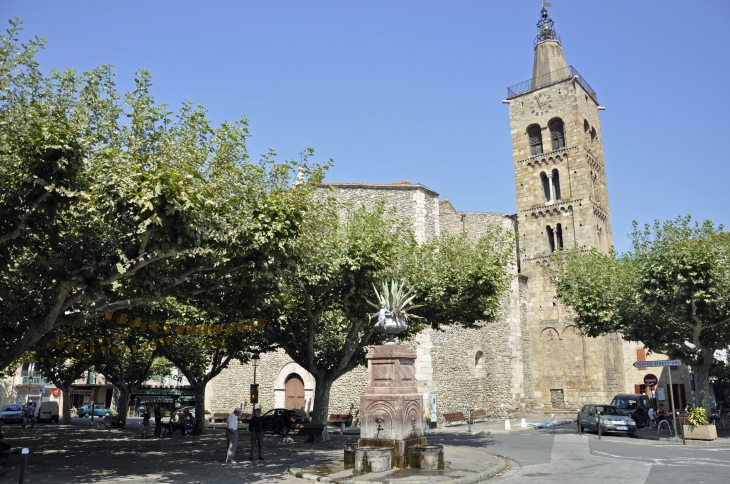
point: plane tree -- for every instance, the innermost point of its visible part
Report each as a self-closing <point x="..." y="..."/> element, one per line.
<point x="218" y="330"/>
<point x="671" y="291"/>
<point x="109" y="201"/>
<point x="318" y="309"/>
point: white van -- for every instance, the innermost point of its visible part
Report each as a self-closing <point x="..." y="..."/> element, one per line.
<point x="47" y="412"/>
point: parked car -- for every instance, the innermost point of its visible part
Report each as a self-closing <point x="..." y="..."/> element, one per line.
<point x="634" y="406"/>
<point x="280" y="420"/>
<point x="12" y="412"/>
<point x="612" y="419"/>
<point x="183" y="420"/>
<point x="99" y="411"/>
<point x="47" y="412"/>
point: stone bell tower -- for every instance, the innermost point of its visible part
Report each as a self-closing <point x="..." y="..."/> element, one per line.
<point x="562" y="204"/>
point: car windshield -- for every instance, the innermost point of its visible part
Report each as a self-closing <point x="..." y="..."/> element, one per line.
<point x="609" y="410"/>
<point x="299" y="412"/>
<point x="11" y="408"/>
<point x="628" y="403"/>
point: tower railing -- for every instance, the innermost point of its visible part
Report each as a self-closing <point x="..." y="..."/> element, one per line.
<point x="548" y="79"/>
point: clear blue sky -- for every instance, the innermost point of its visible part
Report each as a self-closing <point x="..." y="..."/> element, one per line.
<point x="404" y="89"/>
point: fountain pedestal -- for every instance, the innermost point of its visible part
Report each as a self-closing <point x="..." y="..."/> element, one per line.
<point x="391" y="409"/>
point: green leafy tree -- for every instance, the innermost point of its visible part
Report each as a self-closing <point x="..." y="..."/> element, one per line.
<point x="318" y="308"/>
<point x="161" y="366"/>
<point x="126" y="369"/>
<point x="219" y="332"/>
<point x="671" y="291"/>
<point x="111" y="201"/>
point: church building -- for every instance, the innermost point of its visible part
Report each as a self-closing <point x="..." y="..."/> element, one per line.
<point x="533" y="359"/>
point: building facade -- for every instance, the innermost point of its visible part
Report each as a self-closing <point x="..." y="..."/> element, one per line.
<point x="533" y="358"/>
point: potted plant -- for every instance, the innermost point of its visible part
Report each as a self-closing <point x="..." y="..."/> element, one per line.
<point x="394" y="306"/>
<point x="699" y="427"/>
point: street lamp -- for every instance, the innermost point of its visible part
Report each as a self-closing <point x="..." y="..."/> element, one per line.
<point x="254" y="390"/>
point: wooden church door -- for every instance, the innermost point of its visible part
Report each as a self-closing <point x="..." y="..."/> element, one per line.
<point x="294" y="390"/>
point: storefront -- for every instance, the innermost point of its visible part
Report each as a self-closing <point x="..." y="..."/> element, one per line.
<point x="169" y="397"/>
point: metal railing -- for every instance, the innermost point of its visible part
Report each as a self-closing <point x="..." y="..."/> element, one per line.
<point x="34" y="380"/>
<point x="548" y="79"/>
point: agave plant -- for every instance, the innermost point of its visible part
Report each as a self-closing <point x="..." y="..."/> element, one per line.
<point x="397" y="299"/>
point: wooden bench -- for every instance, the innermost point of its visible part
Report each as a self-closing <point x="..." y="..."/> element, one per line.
<point x="219" y="417"/>
<point x="313" y="432"/>
<point x="108" y="422"/>
<point x="339" y="419"/>
<point x="454" y="417"/>
<point x="480" y="413"/>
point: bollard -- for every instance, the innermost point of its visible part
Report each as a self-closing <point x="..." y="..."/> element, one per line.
<point x="681" y="425"/>
<point x="523" y="422"/>
<point x="580" y="430"/>
<point x="507" y="425"/>
<point x="468" y="422"/>
<point x="342" y="428"/>
<point x="598" y="425"/>
<point x="23" y="465"/>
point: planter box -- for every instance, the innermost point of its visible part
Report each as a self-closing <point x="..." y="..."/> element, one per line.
<point x="700" y="432"/>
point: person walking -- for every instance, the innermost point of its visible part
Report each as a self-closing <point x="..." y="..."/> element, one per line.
<point x="158" y="420"/>
<point x="146" y="423"/>
<point x="232" y="435"/>
<point x="256" y="427"/>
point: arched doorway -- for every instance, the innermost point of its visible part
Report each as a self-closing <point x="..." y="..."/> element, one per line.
<point x="294" y="391"/>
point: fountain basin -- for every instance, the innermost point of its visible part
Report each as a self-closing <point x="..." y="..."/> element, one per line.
<point x="427" y="457"/>
<point x="372" y="459"/>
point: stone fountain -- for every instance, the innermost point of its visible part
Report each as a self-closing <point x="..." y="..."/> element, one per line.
<point x="391" y="433"/>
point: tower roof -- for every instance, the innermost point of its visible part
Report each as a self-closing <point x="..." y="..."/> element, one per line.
<point x="549" y="56"/>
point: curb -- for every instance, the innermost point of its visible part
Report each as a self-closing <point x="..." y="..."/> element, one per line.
<point x="471" y="479"/>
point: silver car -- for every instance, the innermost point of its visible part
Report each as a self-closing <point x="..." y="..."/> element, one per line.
<point x="12" y="412"/>
<point x="612" y="419"/>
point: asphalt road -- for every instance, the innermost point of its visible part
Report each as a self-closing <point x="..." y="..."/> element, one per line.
<point x="562" y="456"/>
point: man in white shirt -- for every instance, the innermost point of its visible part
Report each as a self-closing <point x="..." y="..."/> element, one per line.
<point x="232" y="435"/>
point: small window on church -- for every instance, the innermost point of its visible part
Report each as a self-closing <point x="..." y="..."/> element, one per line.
<point x="558" y="238"/>
<point x="545" y="186"/>
<point x="586" y="126"/>
<point x="556" y="183"/>
<point x="551" y="237"/>
<point x="593" y="134"/>
<point x="557" y="134"/>
<point x="535" y="134"/>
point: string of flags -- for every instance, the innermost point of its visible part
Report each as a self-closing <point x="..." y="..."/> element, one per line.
<point x="157" y="334"/>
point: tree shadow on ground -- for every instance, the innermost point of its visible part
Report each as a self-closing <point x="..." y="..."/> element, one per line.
<point x="77" y="453"/>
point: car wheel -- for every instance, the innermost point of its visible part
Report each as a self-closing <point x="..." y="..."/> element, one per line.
<point x="632" y="434"/>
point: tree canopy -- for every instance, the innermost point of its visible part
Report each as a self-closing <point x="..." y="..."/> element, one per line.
<point x="110" y="201"/>
<point x="318" y="307"/>
<point x="671" y="291"/>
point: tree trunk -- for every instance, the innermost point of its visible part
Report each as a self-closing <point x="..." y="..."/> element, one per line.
<point x="702" y="380"/>
<point x="123" y="405"/>
<point x="199" y="409"/>
<point x="320" y="412"/>
<point x="66" y="392"/>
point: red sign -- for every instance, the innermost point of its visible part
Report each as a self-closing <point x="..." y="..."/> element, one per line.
<point x="650" y="380"/>
<point x="56" y="392"/>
